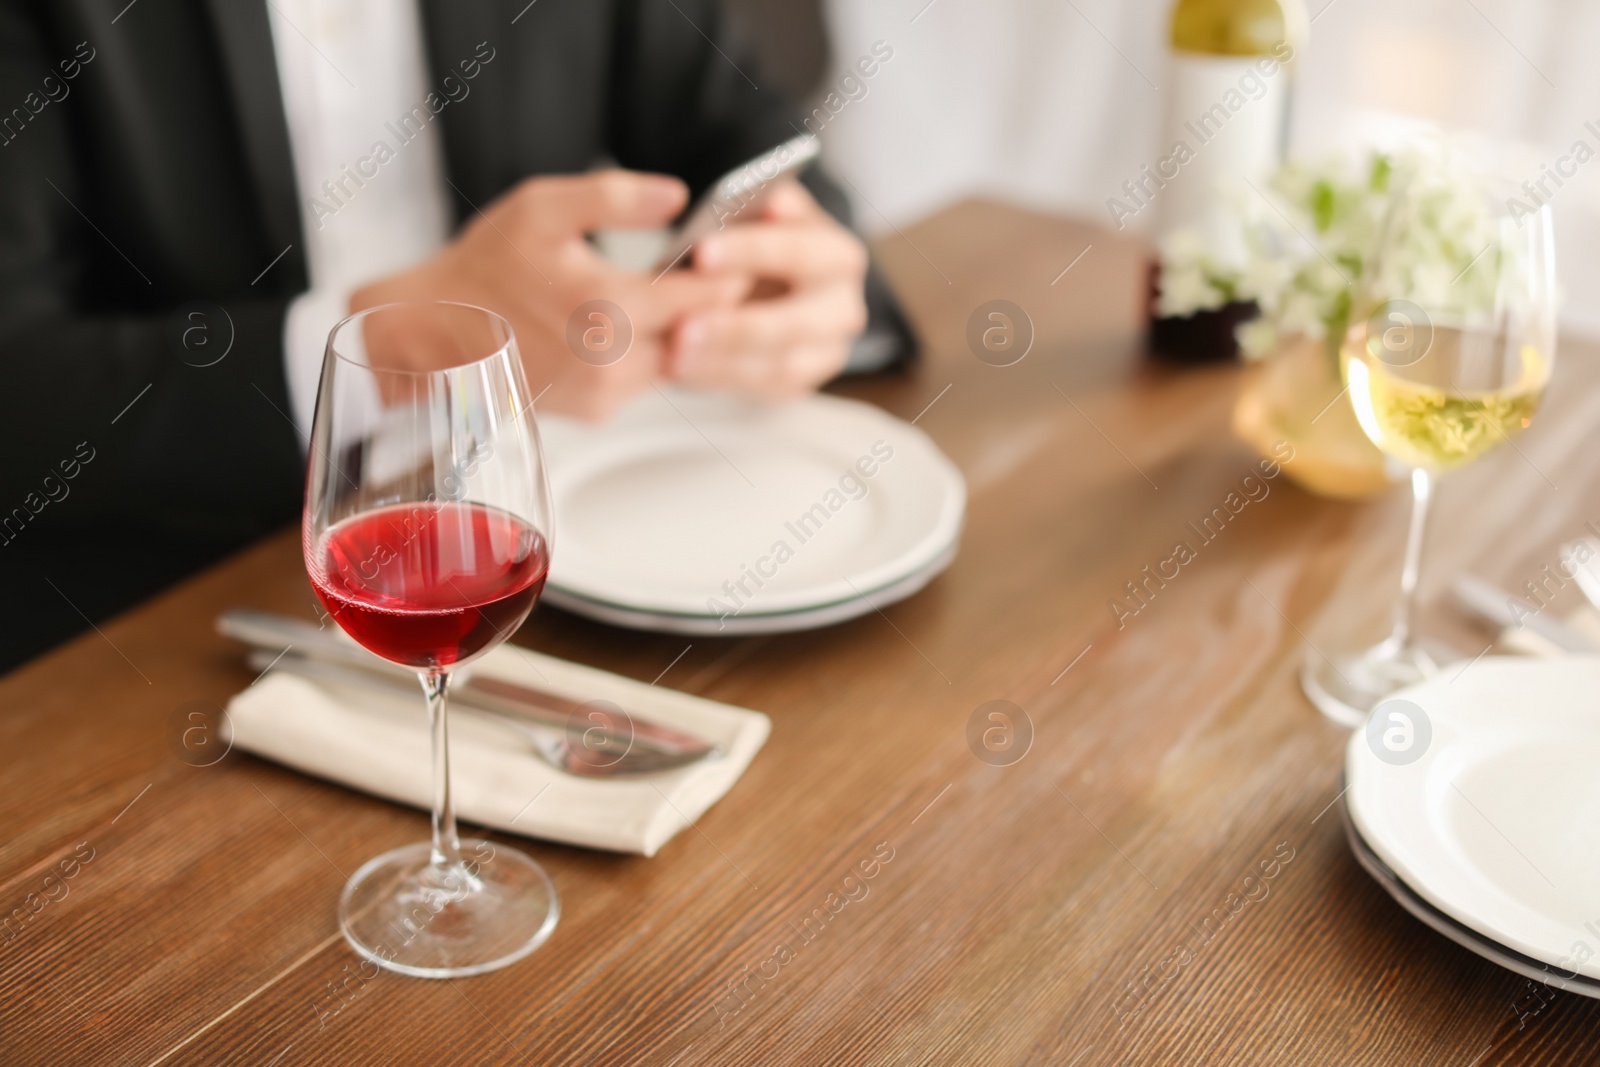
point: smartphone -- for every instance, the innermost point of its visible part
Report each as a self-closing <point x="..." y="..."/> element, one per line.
<point x="740" y="193"/>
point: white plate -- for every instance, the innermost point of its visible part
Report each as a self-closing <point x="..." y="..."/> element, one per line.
<point x="1498" y="823"/>
<point x="742" y="624"/>
<point x="680" y="504"/>
<point x="1460" y="933"/>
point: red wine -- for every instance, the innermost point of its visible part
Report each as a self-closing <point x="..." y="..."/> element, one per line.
<point x="430" y="585"/>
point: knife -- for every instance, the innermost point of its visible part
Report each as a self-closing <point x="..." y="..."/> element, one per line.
<point x="283" y="634"/>
<point x="1490" y="602"/>
<point x="611" y="758"/>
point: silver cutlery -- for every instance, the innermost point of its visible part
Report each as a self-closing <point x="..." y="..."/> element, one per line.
<point x="1587" y="572"/>
<point x="1490" y="602"/>
<point x="607" y="747"/>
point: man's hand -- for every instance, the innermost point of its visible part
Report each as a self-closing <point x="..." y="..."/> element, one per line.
<point x="795" y="330"/>
<point x="526" y="258"/>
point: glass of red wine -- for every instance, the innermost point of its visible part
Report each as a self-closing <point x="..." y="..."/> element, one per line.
<point x="427" y="537"/>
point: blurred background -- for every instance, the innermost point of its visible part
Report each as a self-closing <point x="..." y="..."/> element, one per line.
<point x="1054" y="103"/>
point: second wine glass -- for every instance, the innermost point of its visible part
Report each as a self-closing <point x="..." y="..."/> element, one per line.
<point x="1438" y="379"/>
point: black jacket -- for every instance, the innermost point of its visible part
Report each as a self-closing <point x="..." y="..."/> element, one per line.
<point x="146" y="181"/>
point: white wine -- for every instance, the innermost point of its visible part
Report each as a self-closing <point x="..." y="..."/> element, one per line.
<point x="1427" y="423"/>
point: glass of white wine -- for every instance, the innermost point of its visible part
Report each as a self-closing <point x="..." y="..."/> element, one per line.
<point x="1438" y="379"/>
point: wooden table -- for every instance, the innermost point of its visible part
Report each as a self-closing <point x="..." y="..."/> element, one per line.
<point x="1023" y="903"/>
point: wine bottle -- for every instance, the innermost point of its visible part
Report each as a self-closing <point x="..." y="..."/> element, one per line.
<point x="1226" y="124"/>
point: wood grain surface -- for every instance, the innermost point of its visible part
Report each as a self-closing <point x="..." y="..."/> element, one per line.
<point x="1079" y="905"/>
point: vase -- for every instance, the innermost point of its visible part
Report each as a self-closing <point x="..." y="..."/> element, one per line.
<point x="1296" y="396"/>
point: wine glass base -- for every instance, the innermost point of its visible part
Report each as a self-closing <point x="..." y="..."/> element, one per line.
<point x="1346" y="688"/>
<point x="405" y="915"/>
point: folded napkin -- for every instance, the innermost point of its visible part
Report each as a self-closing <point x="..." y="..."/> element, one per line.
<point x="379" y="743"/>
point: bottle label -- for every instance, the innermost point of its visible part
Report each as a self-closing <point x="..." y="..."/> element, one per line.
<point x="1225" y="123"/>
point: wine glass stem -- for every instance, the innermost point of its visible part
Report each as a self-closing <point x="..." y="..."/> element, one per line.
<point x="1421" y="499"/>
<point x="446" y="843"/>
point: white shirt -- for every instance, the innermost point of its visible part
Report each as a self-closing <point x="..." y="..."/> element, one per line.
<point x="371" y="185"/>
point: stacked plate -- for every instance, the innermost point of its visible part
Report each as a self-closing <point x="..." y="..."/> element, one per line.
<point x="1475" y="802"/>
<point x="703" y="513"/>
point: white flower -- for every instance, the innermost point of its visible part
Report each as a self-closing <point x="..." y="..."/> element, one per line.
<point x="1336" y="241"/>
<point x="1257" y="338"/>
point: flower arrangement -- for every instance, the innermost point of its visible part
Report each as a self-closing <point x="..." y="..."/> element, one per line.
<point x="1319" y="249"/>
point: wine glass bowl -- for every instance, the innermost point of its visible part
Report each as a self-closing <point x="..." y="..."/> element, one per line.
<point x="1438" y="396"/>
<point x="431" y="586"/>
<point x="426" y="535"/>
<point x="1437" y="379"/>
